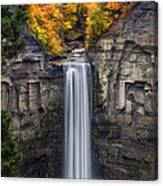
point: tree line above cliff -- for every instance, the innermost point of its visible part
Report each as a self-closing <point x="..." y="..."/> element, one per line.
<point x="55" y="26"/>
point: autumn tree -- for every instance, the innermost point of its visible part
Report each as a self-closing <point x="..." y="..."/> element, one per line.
<point x="56" y="24"/>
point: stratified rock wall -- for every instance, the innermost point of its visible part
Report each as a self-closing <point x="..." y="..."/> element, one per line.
<point x="125" y="98"/>
<point x="124" y="124"/>
<point x="34" y="96"/>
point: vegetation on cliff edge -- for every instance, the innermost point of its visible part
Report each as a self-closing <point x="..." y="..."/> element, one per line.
<point x="13" y="19"/>
<point x="55" y="25"/>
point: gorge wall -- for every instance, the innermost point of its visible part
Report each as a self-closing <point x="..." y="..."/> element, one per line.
<point x="34" y="96"/>
<point x="124" y="125"/>
<point x="125" y="97"/>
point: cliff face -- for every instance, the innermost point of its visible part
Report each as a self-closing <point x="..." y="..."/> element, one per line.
<point x="125" y="97"/>
<point x="124" y="125"/>
<point x="34" y="96"/>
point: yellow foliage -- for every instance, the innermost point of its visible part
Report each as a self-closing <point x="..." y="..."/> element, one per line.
<point x="45" y="22"/>
<point x="49" y="23"/>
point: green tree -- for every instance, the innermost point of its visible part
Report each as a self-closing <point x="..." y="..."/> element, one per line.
<point x="10" y="155"/>
<point x="13" y="19"/>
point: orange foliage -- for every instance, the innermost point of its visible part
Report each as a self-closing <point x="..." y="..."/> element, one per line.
<point x="50" y="23"/>
<point x="91" y="8"/>
<point x="45" y="23"/>
<point x="113" y="6"/>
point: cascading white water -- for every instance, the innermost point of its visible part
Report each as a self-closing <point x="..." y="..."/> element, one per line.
<point x="77" y="160"/>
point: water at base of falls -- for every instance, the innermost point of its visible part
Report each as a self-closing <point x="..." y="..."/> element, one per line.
<point x="77" y="152"/>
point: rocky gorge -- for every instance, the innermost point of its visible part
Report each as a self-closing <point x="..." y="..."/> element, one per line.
<point x="124" y="118"/>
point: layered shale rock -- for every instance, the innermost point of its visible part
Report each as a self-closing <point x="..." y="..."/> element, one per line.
<point x="125" y="98"/>
<point x="124" y="123"/>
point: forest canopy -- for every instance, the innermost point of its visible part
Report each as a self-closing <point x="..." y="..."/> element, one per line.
<point x="13" y="19"/>
<point x="55" y="26"/>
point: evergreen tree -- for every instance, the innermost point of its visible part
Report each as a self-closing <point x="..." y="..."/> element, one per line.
<point x="10" y="155"/>
<point x="13" y="19"/>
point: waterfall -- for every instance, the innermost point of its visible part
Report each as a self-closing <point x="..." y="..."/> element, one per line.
<point x="77" y="152"/>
